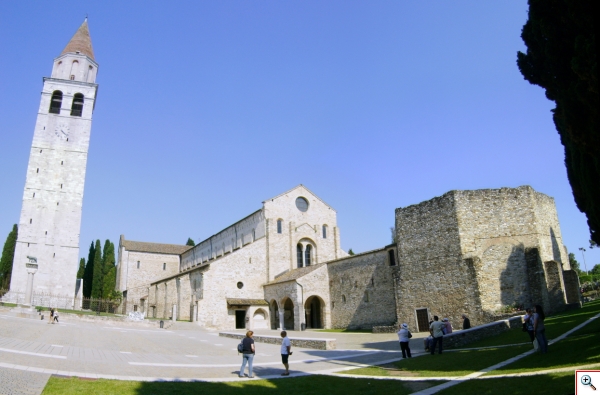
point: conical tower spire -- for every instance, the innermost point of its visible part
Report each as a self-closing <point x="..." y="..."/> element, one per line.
<point x="81" y="42"/>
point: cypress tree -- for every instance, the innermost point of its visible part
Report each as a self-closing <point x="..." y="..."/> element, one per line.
<point x="88" y="274"/>
<point x="8" y="255"/>
<point x="560" y="36"/>
<point x="109" y="269"/>
<point x="97" y="286"/>
<point x="81" y="268"/>
<point x="190" y="242"/>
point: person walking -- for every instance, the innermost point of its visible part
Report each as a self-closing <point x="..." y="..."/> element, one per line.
<point x="56" y="315"/>
<point x="466" y="322"/>
<point x="539" y="328"/>
<point x="51" y="315"/>
<point x="404" y="336"/>
<point x="247" y="354"/>
<point x="286" y="351"/>
<point x="528" y="323"/>
<point x="438" y="336"/>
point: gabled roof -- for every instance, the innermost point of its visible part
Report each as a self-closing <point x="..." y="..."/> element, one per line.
<point x="81" y="42"/>
<point x="303" y="186"/>
<point x="157" y="248"/>
<point x="247" y="302"/>
<point x="295" y="273"/>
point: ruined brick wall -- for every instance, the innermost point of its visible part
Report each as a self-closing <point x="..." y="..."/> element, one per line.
<point x="361" y="289"/>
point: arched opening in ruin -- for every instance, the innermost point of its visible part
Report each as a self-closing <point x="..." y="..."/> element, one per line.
<point x="313" y="310"/>
<point x="260" y="319"/>
<point x="274" y="309"/>
<point x="288" y="314"/>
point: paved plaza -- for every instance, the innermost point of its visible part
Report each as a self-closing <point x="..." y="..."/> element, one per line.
<point x="134" y="351"/>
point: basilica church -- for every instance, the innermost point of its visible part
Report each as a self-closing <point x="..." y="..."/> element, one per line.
<point x="281" y="266"/>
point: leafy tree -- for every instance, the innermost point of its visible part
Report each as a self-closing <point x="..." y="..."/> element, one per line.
<point x="190" y="242"/>
<point x="110" y="270"/>
<point x="561" y="58"/>
<point x="350" y="252"/>
<point x="595" y="270"/>
<point x="8" y="255"/>
<point x="97" y="286"/>
<point x="81" y="270"/>
<point x="574" y="264"/>
<point x="88" y="274"/>
<point x="593" y="244"/>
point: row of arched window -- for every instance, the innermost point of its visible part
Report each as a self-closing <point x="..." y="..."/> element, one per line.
<point x="280" y="228"/>
<point x="303" y="255"/>
<point x="56" y="103"/>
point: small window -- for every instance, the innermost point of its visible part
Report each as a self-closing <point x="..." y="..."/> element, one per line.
<point x="307" y="253"/>
<point x="77" y="106"/>
<point x="279" y="226"/>
<point x="164" y="266"/>
<point x="138" y="264"/>
<point x="302" y="204"/>
<point x="324" y="231"/>
<point x="253" y="235"/>
<point x="72" y="77"/>
<point x="299" y="254"/>
<point x="367" y="296"/>
<point x="54" y="255"/>
<point x="62" y="162"/>
<point x="56" y="102"/>
<point x="343" y="298"/>
<point x="135" y="307"/>
<point x="38" y="170"/>
<point x="240" y="285"/>
<point x="30" y="220"/>
<point x="46" y="232"/>
<point x="34" y="194"/>
<point x="392" y="258"/>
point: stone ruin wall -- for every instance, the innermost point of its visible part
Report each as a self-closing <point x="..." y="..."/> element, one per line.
<point x="361" y="288"/>
<point x="477" y="251"/>
<point x="432" y="271"/>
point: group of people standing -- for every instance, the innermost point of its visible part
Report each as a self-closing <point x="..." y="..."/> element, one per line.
<point x="248" y="352"/>
<point x="437" y="330"/>
<point x="533" y="324"/>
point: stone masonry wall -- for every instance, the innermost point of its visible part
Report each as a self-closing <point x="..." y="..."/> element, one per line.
<point x="137" y="280"/>
<point x="362" y="290"/>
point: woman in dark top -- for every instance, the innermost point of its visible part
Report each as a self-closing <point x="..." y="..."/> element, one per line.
<point x="539" y="328"/>
<point x="247" y="354"/>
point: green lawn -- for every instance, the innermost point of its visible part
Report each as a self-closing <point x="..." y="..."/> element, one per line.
<point x="556" y="325"/>
<point x="455" y="363"/>
<point x="556" y="384"/>
<point x="291" y="386"/>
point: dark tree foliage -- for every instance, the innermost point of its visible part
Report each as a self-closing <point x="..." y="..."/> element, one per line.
<point x="595" y="270"/>
<point x="81" y="269"/>
<point x="190" y="242"/>
<point x="350" y="252"/>
<point x="97" y="286"/>
<point x="8" y="254"/>
<point x="561" y="58"/>
<point x="574" y="264"/>
<point x="109" y="277"/>
<point x="88" y="274"/>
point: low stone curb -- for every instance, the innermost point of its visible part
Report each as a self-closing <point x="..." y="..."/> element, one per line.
<point x="315" y="343"/>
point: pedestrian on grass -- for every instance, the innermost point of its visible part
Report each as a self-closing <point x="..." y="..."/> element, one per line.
<point x="438" y="336"/>
<point x="528" y="323"/>
<point x="247" y="354"/>
<point x="404" y="336"/>
<point x="448" y="327"/>
<point x="466" y="322"/>
<point x="539" y="328"/>
<point x="286" y="351"/>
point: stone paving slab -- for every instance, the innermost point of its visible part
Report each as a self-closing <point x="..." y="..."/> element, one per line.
<point x="21" y="382"/>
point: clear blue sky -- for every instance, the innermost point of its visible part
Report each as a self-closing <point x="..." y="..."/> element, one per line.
<point x="205" y="109"/>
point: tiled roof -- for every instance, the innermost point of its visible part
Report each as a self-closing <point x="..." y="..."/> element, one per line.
<point x="247" y="302"/>
<point x="140" y="246"/>
<point x="295" y="274"/>
<point x="81" y="42"/>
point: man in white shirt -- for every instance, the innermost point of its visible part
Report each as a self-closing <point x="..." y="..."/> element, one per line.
<point x="286" y="346"/>
<point x="436" y="331"/>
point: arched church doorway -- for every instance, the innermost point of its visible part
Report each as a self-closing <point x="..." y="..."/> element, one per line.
<point x="260" y="319"/>
<point x="288" y="314"/>
<point x="274" y="309"/>
<point x="313" y="308"/>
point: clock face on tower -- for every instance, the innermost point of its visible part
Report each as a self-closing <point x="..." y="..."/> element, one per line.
<point x="62" y="131"/>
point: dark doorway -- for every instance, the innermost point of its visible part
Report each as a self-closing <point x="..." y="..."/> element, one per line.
<point x="313" y="310"/>
<point x="288" y="315"/>
<point x="240" y="319"/>
<point x="274" y="309"/>
<point x="423" y="320"/>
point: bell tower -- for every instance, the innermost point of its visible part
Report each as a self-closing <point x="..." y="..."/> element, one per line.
<point x="50" y="219"/>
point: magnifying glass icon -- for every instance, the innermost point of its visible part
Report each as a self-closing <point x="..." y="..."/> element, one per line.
<point x="587" y="380"/>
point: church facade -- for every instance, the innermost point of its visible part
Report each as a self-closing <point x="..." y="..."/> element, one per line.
<point x="472" y="252"/>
